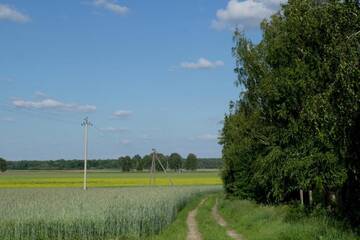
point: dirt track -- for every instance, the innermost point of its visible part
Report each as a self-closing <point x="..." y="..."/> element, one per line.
<point x="193" y="230"/>
<point x="220" y="220"/>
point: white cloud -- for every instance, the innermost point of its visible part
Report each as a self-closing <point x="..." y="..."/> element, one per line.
<point x="112" y="129"/>
<point x="11" y="14"/>
<point x="112" y="6"/>
<point x="6" y="80"/>
<point x="208" y="137"/>
<point x="122" y="113"/>
<point x="125" y="141"/>
<point x="245" y="14"/>
<point x="146" y="137"/>
<point x="202" y="63"/>
<point x="41" y="94"/>
<point x="7" y="119"/>
<point x="49" y="103"/>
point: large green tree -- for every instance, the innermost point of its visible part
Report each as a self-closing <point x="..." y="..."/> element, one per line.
<point x="296" y="124"/>
<point x="175" y="161"/>
<point x="163" y="159"/>
<point x="3" y="165"/>
<point x="126" y="164"/>
<point x="191" y="162"/>
<point x="138" y="161"/>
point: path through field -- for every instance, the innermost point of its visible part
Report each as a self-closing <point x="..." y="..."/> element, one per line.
<point x="193" y="230"/>
<point x="220" y="220"/>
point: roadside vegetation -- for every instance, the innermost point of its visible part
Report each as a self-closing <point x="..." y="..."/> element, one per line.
<point x="293" y="135"/>
<point x="257" y="222"/>
<point x="260" y="222"/>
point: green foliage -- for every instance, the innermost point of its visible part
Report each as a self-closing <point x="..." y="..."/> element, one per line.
<point x="63" y="164"/>
<point x="126" y="163"/>
<point x="139" y="163"/>
<point x="164" y="161"/>
<point x="209" y="163"/>
<point x="191" y="162"/>
<point x="296" y="125"/>
<point x="147" y="161"/>
<point x="175" y="161"/>
<point x="3" y="165"/>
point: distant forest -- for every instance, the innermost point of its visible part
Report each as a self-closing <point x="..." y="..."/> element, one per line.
<point x="202" y="163"/>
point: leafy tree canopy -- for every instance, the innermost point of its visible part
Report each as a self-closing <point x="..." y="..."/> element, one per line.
<point x="297" y="122"/>
<point x="191" y="162"/>
<point x="3" y="165"/>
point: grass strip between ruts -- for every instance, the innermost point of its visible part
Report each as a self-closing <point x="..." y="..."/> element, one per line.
<point x="208" y="226"/>
<point x="178" y="229"/>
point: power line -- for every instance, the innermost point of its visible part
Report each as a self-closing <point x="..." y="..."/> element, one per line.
<point x="46" y="115"/>
<point x="50" y="116"/>
<point x="34" y="113"/>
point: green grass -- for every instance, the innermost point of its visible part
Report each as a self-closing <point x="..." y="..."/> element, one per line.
<point x="257" y="222"/>
<point x="51" y="179"/>
<point x="208" y="227"/>
<point x="139" y="213"/>
<point x="72" y="214"/>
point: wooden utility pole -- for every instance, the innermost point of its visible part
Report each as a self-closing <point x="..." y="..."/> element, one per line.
<point x="153" y="169"/>
<point x="86" y="125"/>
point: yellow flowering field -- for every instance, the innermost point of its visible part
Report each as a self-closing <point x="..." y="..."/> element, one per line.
<point x="50" y="179"/>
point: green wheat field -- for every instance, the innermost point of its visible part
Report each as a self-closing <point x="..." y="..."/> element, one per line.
<point x="52" y="205"/>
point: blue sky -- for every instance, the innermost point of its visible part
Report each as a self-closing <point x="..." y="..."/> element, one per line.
<point x="148" y="74"/>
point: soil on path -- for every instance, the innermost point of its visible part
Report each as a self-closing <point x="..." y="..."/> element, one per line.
<point x="221" y="221"/>
<point x="193" y="230"/>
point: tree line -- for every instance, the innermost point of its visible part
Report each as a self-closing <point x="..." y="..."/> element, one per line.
<point x="133" y="163"/>
<point x="174" y="162"/>
<point x="294" y="133"/>
<point x="3" y="165"/>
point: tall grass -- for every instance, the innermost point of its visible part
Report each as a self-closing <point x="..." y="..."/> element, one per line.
<point x="257" y="222"/>
<point x="72" y="214"/>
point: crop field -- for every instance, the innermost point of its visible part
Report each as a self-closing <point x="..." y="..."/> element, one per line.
<point x="66" y="179"/>
<point x="101" y="213"/>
